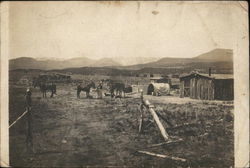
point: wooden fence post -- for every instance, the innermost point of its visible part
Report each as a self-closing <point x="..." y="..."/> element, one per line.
<point x="29" y="136"/>
<point x="141" y="110"/>
<point x="141" y="95"/>
<point x="141" y="118"/>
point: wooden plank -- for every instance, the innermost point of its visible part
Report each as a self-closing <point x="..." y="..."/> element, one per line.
<point x="163" y="156"/>
<point x="165" y="143"/>
<point x="18" y="118"/>
<point x="141" y="118"/>
<point x="191" y="88"/>
<point x="157" y="120"/>
<point x="182" y="89"/>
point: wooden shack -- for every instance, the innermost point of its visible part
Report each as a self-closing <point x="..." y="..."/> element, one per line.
<point x="207" y="87"/>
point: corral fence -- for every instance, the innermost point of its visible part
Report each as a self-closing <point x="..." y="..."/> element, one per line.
<point x="188" y="120"/>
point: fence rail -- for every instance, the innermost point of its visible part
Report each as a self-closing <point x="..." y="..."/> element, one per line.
<point x="25" y="112"/>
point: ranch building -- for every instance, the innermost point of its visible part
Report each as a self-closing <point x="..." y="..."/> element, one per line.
<point x="207" y="86"/>
<point x="148" y="75"/>
<point x="145" y="75"/>
<point x="137" y="88"/>
<point x="160" y="80"/>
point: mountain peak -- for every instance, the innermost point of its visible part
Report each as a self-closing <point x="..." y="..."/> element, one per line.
<point x="217" y="55"/>
<point x="106" y="62"/>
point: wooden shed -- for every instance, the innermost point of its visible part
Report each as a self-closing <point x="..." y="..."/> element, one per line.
<point x="207" y="87"/>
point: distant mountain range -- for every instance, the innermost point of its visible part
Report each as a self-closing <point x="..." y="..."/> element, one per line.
<point x="48" y="64"/>
<point x="218" y="59"/>
<point x="217" y="56"/>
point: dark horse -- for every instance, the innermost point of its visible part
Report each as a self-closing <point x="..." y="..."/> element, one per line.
<point x="85" y="89"/>
<point x="48" y="87"/>
<point x="116" y="88"/>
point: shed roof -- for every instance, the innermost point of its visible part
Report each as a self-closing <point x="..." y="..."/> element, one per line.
<point x="219" y="76"/>
<point x="213" y="76"/>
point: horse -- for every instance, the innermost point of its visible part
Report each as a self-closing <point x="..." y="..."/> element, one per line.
<point x="48" y="87"/>
<point x="116" y="88"/>
<point x="85" y="89"/>
<point x="36" y="82"/>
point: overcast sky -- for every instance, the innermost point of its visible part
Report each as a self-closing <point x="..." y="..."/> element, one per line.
<point x="122" y="30"/>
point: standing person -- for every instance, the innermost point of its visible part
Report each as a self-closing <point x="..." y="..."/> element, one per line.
<point x="53" y="89"/>
<point x="99" y="90"/>
<point x="28" y="98"/>
<point x="29" y="138"/>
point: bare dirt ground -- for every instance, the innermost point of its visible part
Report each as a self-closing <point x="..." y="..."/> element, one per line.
<point x="71" y="132"/>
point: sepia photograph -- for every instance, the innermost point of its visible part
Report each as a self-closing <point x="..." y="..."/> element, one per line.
<point x="125" y="84"/>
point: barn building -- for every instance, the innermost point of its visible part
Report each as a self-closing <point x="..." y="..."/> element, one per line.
<point x="207" y="86"/>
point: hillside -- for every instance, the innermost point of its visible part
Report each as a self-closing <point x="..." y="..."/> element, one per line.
<point x="217" y="55"/>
